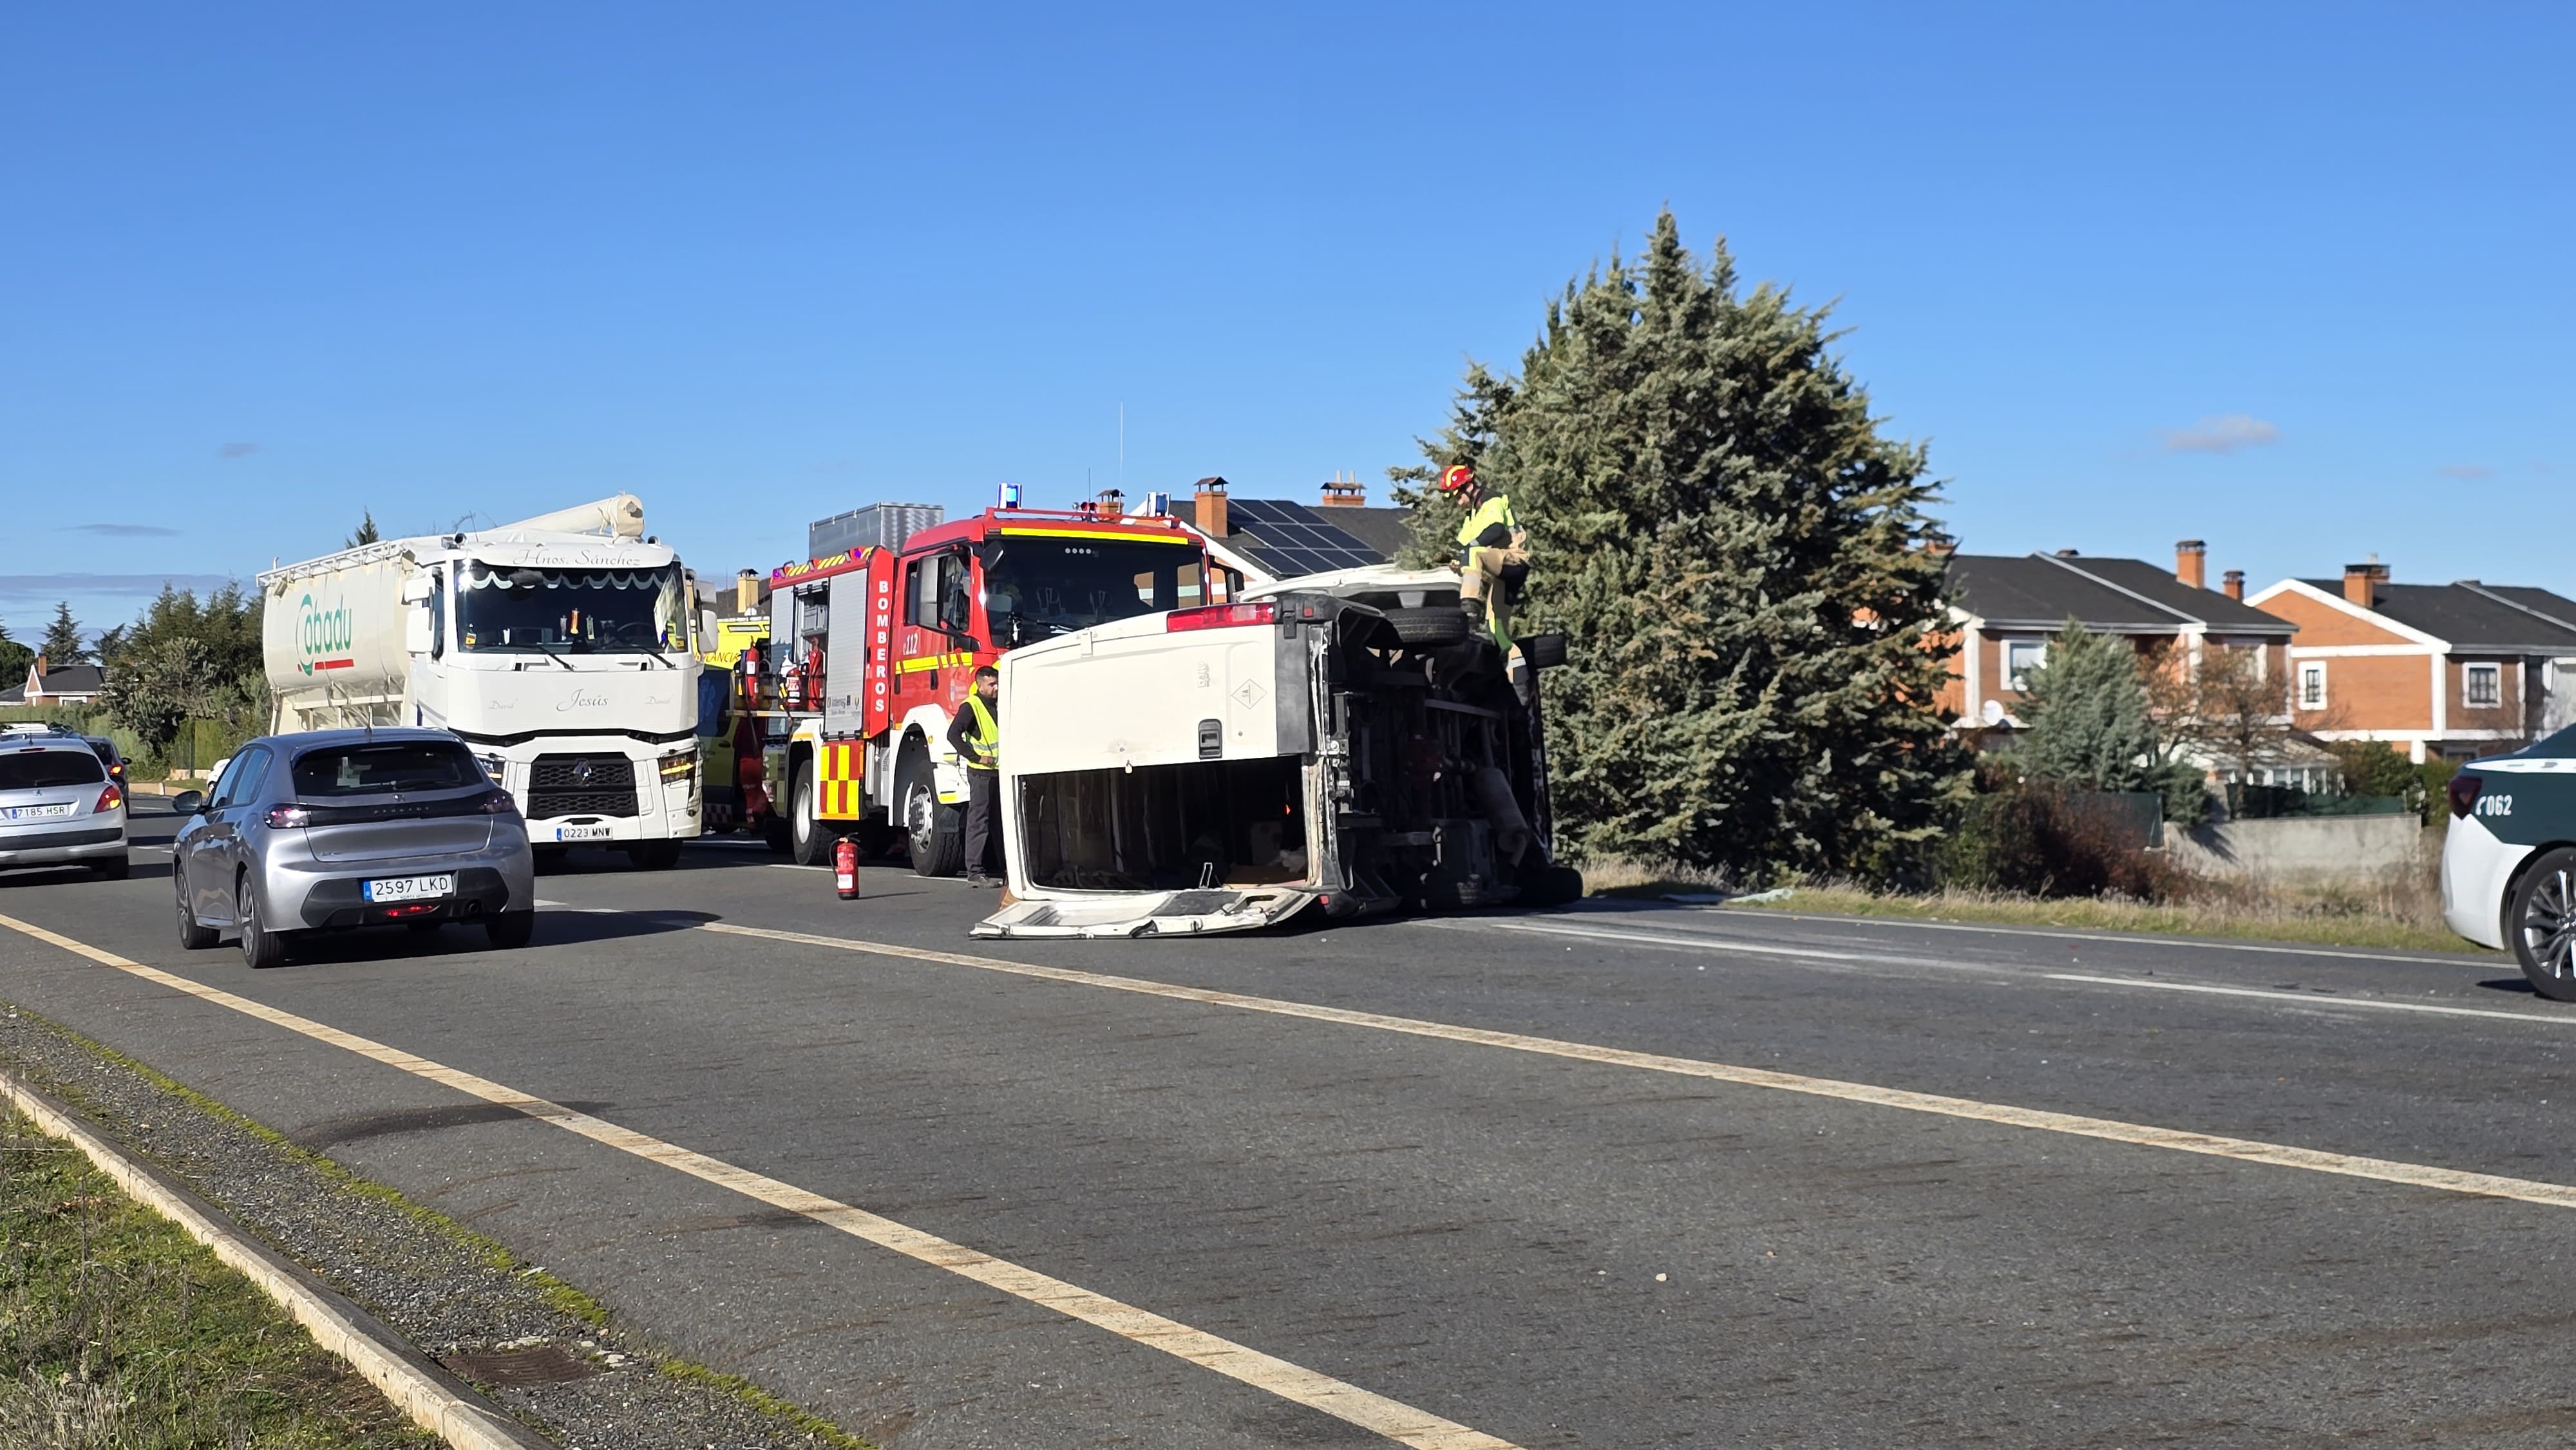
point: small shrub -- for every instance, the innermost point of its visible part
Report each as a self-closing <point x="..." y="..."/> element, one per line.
<point x="2038" y="840"/>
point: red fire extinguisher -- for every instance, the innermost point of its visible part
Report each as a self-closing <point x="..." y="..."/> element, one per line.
<point x="751" y="677"/>
<point x="845" y="868"/>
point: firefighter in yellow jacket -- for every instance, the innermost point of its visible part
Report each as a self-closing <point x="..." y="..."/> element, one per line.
<point x="1493" y="555"/>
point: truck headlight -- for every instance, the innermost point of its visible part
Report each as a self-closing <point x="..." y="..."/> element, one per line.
<point x="492" y="765"/>
<point x="678" y="767"/>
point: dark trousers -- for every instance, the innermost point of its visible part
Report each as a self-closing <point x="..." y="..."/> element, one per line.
<point x="983" y="790"/>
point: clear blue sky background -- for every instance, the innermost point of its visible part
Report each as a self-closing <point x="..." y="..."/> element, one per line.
<point x="265" y="267"/>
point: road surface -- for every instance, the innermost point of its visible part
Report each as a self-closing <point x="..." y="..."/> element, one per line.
<point x="1615" y="1176"/>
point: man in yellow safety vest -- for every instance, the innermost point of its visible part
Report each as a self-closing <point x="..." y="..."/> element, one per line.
<point x="977" y="738"/>
<point x="1493" y="555"/>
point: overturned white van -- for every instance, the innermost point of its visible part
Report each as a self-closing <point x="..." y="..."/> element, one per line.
<point x="1335" y="741"/>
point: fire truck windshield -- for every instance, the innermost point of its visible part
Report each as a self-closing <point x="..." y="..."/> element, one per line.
<point x="1037" y="587"/>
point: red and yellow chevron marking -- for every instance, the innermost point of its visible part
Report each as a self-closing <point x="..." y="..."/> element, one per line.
<point x="840" y="784"/>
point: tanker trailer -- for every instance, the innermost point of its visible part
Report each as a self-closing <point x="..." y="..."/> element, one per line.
<point x="558" y="649"/>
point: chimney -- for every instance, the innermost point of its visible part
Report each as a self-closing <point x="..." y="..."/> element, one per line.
<point x="1211" y="507"/>
<point x="746" y="591"/>
<point x="1113" y="502"/>
<point x="2361" y="582"/>
<point x="1345" y="493"/>
<point x="2234" y="587"/>
<point x="2191" y="563"/>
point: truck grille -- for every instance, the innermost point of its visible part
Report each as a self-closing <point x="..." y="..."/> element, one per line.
<point x="581" y="785"/>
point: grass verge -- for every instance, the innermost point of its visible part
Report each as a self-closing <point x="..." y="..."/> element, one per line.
<point x="124" y="1332"/>
<point x="2399" y="910"/>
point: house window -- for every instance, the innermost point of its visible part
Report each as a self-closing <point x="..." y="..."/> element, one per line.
<point x="2312" y="685"/>
<point x="2482" y="686"/>
<point x="2021" y="656"/>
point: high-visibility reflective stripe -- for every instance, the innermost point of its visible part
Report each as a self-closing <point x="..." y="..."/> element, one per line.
<point x="932" y="662"/>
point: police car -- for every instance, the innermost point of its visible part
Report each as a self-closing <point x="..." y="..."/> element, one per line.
<point x="2509" y="862"/>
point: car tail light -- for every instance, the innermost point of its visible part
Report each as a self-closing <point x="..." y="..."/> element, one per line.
<point x="497" y="803"/>
<point x="289" y="818"/>
<point x="110" y="798"/>
<point x="1220" y="616"/>
<point x="2464" y="792"/>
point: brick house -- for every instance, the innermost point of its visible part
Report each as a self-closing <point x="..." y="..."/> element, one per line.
<point x="2004" y="607"/>
<point x="2439" y="671"/>
<point x="60" y="685"/>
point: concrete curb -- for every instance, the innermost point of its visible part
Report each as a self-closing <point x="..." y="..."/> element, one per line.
<point x="434" y="1399"/>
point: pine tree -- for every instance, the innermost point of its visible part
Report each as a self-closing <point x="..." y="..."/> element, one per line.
<point x="2086" y="710"/>
<point x="1740" y="562"/>
<point x="62" y="645"/>
<point x="14" y="659"/>
<point x="366" y="533"/>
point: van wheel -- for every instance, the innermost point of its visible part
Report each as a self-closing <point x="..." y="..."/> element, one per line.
<point x="1446" y="625"/>
<point x="937" y="830"/>
<point x="807" y="843"/>
<point x="2543" y="925"/>
<point x="260" y="946"/>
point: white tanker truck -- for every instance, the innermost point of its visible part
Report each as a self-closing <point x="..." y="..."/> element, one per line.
<point x="556" y="648"/>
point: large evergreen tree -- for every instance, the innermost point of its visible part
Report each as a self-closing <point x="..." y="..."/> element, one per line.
<point x="1741" y="563"/>
<point x="63" y="644"/>
<point x="365" y="533"/>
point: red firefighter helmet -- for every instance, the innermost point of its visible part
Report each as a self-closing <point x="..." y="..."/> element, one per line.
<point x="1457" y="477"/>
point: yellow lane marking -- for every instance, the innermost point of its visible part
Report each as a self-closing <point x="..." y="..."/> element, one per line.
<point x="2247" y="1150"/>
<point x="1370" y="1411"/>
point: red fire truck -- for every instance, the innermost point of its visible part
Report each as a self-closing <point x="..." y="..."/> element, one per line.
<point x="872" y="651"/>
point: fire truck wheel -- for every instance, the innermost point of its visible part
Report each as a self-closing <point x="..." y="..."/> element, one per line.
<point x="808" y="843"/>
<point x="937" y="831"/>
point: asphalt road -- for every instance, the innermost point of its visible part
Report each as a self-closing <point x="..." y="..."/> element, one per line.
<point x="1548" y="1248"/>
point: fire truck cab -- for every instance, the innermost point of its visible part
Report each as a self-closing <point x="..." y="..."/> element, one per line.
<point x="874" y="649"/>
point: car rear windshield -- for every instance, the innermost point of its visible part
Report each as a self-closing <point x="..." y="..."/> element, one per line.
<point x="375" y="767"/>
<point x="36" y="769"/>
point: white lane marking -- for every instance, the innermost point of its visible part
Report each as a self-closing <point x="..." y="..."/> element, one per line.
<point x="1373" y="1412"/>
<point x="2023" y="972"/>
<point x="2198" y="943"/>
<point x="2311" y="999"/>
<point x="1690" y="943"/>
<point x="2247" y="1150"/>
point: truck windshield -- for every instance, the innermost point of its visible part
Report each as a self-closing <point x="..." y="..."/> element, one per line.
<point x="570" y="611"/>
<point x="1035" y="587"/>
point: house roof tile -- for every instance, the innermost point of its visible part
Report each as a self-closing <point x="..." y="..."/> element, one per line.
<point x="2128" y="596"/>
<point x="2506" y="618"/>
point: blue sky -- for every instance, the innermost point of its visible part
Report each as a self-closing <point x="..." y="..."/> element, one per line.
<point x="2290" y="279"/>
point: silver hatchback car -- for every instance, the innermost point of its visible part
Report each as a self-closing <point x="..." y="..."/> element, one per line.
<point x="344" y="828"/>
<point x="57" y="805"/>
